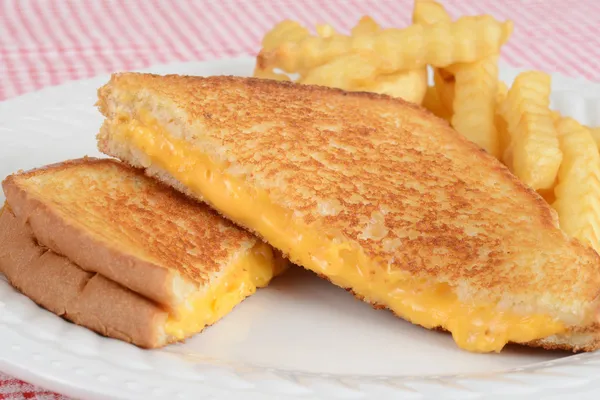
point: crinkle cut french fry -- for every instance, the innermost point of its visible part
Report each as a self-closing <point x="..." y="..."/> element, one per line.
<point x="429" y="12"/>
<point x="474" y="106"/>
<point x="269" y="74"/>
<point x="285" y="31"/>
<point x="309" y="53"/>
<point x="441" y="44"/>
<point x="364" y="31"/>
<point x="536" y="155"/>
<point x="548" y="195"/>
<point x="366" y="26"/>
<point x="325" y="30"/>
<point x="499" y="122"/>
<point x="346" y="72"/>
<point x="578" y="190"/>
<point x="408" y="85"/>
<point x="432" y="102"/>
<point x="444" y="43"/>
<point x="556" y="117"/>
<point x="444" y="84"/>
<point x="595" y="132"/>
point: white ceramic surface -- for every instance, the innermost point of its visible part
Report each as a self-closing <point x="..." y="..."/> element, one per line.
<point x="300" y="338"/>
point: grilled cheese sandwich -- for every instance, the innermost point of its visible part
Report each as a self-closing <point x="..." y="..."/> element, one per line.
<point x="149" y="249"/>
<point x="345" y="265"/>
<point x="337" y="213"/>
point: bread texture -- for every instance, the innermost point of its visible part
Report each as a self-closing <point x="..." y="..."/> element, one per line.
<point x="85" y="298"/>
<point x="106" y="247"/>
<point x="385" y="175"/>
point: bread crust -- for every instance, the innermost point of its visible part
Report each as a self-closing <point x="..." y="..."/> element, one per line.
<point x="85" y="298"/>
<point x="53" y="232"/>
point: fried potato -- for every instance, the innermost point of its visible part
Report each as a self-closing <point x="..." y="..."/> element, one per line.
<point x="366" y="26"/>
<point x="269" y="74"/>
<point x="595" y="132"/>
<point x="500" y="122"/>
<point x="297" y="57"/>
<point x="501" y="93"/>
<point x="432" y="102"/>
<point x="578" y="190"/>
<point x="556" y="117"/>
<point x="362" y="34"/>
<point x="408" y="85"/>
<point x="441" y="44"/>
<point x="348" y="72"/>
<point x="285" y="31"/>
<point x="548" y="195"/>
<point x="429" y="12"/>
<point x="325" y="30"/>
<point x="352" y="70"/>
<point x="444" y="84"/>
<point x="474" y="104"/>
<point x="536" y="155"/>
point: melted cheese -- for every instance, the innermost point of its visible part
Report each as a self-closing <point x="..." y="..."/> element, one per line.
<point x="474" y="327"/>
<point x="253" y="270"/>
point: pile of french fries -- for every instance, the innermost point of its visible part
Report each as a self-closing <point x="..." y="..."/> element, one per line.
<point x="554" y="155"/>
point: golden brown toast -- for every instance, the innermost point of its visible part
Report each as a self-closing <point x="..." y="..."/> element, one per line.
<point x="153" y="244"/>
<point x="374" y="193"/>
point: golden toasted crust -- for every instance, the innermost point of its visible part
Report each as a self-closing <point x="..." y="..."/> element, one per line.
<point x="383" y="173"/>
<point x="87" y="299"/>
<point x="577" y="340"/>
<point x="111" y="219"/>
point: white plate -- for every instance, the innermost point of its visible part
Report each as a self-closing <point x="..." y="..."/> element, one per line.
<point x="300" y="338"/>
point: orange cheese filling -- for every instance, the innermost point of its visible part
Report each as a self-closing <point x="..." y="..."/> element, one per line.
<point x="474" y="327"/>
<point x="253" y="270"/>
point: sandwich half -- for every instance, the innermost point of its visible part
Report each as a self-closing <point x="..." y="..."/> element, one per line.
<point x="373" y="193"/>
<point x="106" y="247"/>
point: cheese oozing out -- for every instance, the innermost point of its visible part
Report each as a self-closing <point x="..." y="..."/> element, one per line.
<point x="474" y="327"/>
<point x="252" y="270"/>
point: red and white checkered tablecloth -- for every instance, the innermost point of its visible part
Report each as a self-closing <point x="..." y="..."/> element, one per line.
<point x="47" y="42"/>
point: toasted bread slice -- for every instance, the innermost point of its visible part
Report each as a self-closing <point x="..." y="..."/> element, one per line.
<point x="106" y="247"/>
<point x="373" y="193"/>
